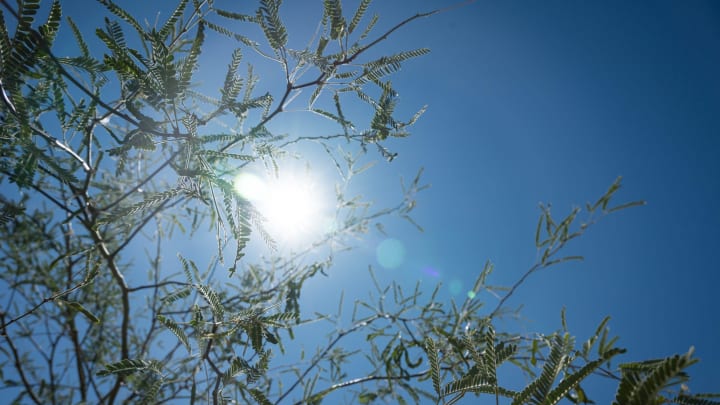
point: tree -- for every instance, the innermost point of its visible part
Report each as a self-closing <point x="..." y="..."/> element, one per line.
<point x="109" y="154"/>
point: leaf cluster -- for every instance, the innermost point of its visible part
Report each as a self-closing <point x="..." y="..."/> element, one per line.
<point x="119" y="151"/>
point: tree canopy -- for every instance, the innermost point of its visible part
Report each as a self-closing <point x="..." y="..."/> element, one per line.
<point x="114" y="151"/>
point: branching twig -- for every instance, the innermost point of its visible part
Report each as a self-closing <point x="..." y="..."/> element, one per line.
<point x="18" y="362"/>
<point x="327" y="349"/>
<point x="43" y="302"/>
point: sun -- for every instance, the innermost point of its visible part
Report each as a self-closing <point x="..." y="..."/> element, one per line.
<point x="292" y="203"/>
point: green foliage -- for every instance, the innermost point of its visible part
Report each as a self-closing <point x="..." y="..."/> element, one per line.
<point x="118" y="148"/>
<point x="175" y="329"/>
<point x="645" y="382"/>
<point x="269" y="17"/>
<point x="128" y="366"/>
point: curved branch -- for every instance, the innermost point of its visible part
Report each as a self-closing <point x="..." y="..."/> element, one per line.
<point x="322" y="355"/>
<point x="17" y="362"/>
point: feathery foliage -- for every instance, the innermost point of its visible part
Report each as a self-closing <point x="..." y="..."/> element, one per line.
<point x="116" y="151"/>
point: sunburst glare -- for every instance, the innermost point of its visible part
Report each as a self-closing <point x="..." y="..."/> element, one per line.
<point x="293" y="204"/>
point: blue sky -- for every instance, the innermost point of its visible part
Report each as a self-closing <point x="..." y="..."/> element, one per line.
<point x="549" y="102"/>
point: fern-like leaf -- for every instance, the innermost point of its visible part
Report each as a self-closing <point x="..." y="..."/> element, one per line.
<point x="571" y="381"/>
<point x="127" y="17"/>
<point x="177" y="295"/>
<point x="504" y="352"/>
<point x="9" y="212"/>
<point x="642" y="382"/>
<point x="538" y="389"/>
<point x="5" y="44"/>
<point x="697" y="399"/>
<point x="79" y="38"/>
<point x="434" y="364"/>
<point x="379" y="68"/>
<point x="359" y="13"/>
<point x="176" y="330"/>
<point x="126" y="367"/>
<point x="25" y="45"/>
<point x="233" y="83"/>
<point x="150" y="201"/>
<point x="259" y="397"/>
<point x="241" y="366"/>
<point x="116" y="36"/>
<point x="587" y="346"/>
<point x="187" y="266"/>
<point x="27" y="12"/>
<point x="369" y="27"/>
<point x="331" y="116"/>
<point x="237" y="366"/>
<point x="149" y="395"/>
<point x="333" y="10"/>
<point x="235" y="16"/>
<point x="170" y="23"/>
<point x="50" y="28"/>
<point x="225" y="155"/>
<point x="490" y="357"/>
<point x="477" y="383"/>
<point x="188" y="67"/>
<point x="212" y="298"/>
<point x="269" y="17"/>
<point x="279" y="319"/>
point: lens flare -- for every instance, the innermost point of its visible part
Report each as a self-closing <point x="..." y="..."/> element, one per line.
<point x="455" y="286"/>
<point x="390" y="253"/>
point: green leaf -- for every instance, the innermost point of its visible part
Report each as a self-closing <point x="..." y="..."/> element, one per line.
<point x="233" y="83"/>
<point x="377" y="69"/>
<point x="369" y="27"/>
<point x="234" y="16"/>
<point x="9" y="212"/>
<point x="22" y="57"/>
<point x="562" y="260"/>
<point x="120" y="12"/>
<point x="696" y="399"/>
<point x="79" y="38"/>
<point x="642" y="382"/>
<point x="259" y="397"/>
<point x="126" y="367"/>
<point x="176" y="330"/>
<point x="627" y="205"/>
<point x="177" y="295"/>
<point x="50" y="28"/>
<point x="587" y="346"/>
<point x="359" y="13"/>
<point x="269" y="17"/>
<point x="538" y="389"/>
<point x="150" y="201"/>
<point x="534" y="352"/>
<point x="190" y="63"/>
<point x="489" y="360"/>
<point x="212" y="298"/>
<point x="149" y="395"/>
<point x="333" y="10"/>
<point x="76" y="306"/>
<point x="571" y="381"/>
<point x="170" y="23"/>
<point x="477" y="383"/>
<point x="429" y="346"/>
<point x="213" y="154"/>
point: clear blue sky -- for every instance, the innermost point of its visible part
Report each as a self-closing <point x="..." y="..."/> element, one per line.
<point x="551" y="101"/>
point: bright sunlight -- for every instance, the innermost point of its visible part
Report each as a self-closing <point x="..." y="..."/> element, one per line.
<point x="292" y="204"/>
